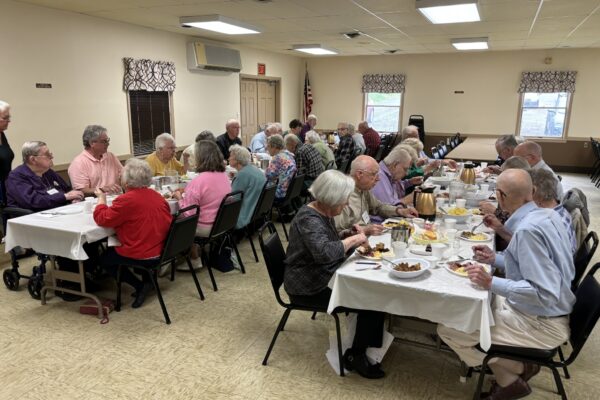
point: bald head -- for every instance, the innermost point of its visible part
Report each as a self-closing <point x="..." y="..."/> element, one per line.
<point x="515" y="188"/>
<point x="531" y="151"/>
<point x="362" y="163"/>
<point x="363" y="126"/>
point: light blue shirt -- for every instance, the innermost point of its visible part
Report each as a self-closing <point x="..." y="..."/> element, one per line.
<point x="258" y="144"/>
<point x="538" y="264"/>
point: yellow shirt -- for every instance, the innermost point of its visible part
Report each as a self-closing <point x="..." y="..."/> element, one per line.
<point x="158" y="167"/>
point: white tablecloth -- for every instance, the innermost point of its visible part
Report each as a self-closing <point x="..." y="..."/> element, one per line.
<point x="437" y="295"/>
<point x="475" y="148"/>
<point x="57" y="235"/>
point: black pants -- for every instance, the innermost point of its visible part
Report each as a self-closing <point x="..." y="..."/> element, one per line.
<point x="369" y="324"/>
<point x="112" y="260"/>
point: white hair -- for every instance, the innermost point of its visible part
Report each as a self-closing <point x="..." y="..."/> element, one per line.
<point x="313" y="137"/>
<point x="31" y="149"/>
<point x="162" y="140"/>
<point x="241" y="154"/>
<point x="397" y="155"/>
<point x="291" y="140"/>
<point x="136" y="173"/>
<point x="311" y="116"/>
<point x="332" y="188"/>
<point x="4" y="106"/>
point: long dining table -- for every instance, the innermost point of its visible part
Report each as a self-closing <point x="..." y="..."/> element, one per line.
<point x="476" y="149"/>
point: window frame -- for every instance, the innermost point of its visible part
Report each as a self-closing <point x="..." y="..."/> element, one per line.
<point x="171" y="122"/>
<point x="549" y="138"/>
<point x="400" y="110"/>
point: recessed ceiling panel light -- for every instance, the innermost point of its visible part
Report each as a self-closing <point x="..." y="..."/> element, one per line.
<point x="315" y="49"/>
<point x="449" y="11"/>
<point x="219" y="23"/>
<point x="470" y="44"/>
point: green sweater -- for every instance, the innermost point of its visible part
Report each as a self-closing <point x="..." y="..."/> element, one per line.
<point x="251" y="181"/>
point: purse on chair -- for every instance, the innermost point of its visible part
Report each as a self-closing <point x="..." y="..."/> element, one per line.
<point x="91" y="308"/>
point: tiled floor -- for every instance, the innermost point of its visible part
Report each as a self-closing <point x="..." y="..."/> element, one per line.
<point x="214" y="349"/>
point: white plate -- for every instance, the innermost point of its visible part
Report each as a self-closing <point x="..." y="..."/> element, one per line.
<point x="419" y="250"/>
<point x="487" y="235"/>
<point x="447" y="268"/>
<point x="387" y="254"/>
<point x="425" y="265"/>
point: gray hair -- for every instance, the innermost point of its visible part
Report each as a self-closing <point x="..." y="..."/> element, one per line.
<point x="91" y="133"/>
<point x="397" y="155"/>
<point x="241" y="154"/>
<point x="411" y="151"/>
<point x="291" y="140"/>
<point x="275" y="141"/>
<point x="205" y="135"/>
<point x="231" y="122"/>
<point x="351" y="129"/>
<point x="313" y="137"/>
<point x="162" y="140"/>
<point x="545" y="184"/>
<point x="274" y="128"/>
<point x="311" y="116"/>
<point x="515" y="162"/>
<point x="4" y="106"/>
<point x="31" y="149"/>
<point x="208" y="157"/>
<point x="414" y="143"/>
<point x="136" y="173"/>
<point x="507" y="141"/>
<point x="332" y="188"/>
<point x="407" y="130"/>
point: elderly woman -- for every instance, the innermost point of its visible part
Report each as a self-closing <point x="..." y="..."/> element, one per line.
<point x="33" y="185"/>
<point x="95" y="167"/>
<point x="163" y="159"/>
<point x="6" y="153"/>
<point x="420" y="167"/>
<point x="282" y="166"/>
<point x="392" y="169"/>
<point x="188" y="155"/>
<point x="326" y="153"/>
<point x="316" y="250"/>
<point x="141" y="219"/>
<point x="250" y="180"/>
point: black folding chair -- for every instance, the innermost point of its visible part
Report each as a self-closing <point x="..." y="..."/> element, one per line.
<point x="583" y="318"/>
<point x="178" y="243"/>
<point x="583" y="256"/>
<point x="379" y="155"/>
<point x="221" y="231"/>
<point x="294" y="190"/>
<point x="274" y="256"/>
<point x="261" y="212"/>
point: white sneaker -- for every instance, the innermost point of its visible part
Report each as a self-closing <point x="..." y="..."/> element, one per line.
<point x="196" y="264"/>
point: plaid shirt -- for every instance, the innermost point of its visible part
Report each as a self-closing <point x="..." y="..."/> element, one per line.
<point x="345" y="150"/>
<point x="372" y="141"/>
<point x="308" y="161"/>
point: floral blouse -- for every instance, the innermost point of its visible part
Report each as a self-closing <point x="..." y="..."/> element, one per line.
<point x="283" y="167"/>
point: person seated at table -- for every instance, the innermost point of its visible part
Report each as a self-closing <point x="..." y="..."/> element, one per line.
<point x="188" y="153"/>
<point x="412" y="132"/>
<point x="359" y="142"/>
<point x="230" y="137"/>
<point x="423" y="166"/>
<point x="345" y="148"/>
<point x="316" y="250"/>
<point x="311" y="122"/>
<point x="250" y="180"/>
<point x="505" y="147"/>
<point x="282" y="166"/>
<point x="364" y="170"/>
<point x="308" y="159"/>
<point x="532" y="152"/>
<point x="163" y="161"/>
<point x="533" y="303"/>
<point x="371" y="137"/>
<point x="141" y="219"/>
<point x="295" y="127"/>
<point x="258" y="144"/>
<point x="95" y="167"/>
<point x="392" y="169"/>
<point x="314" y="139"/>
<point x="34" y="185"/>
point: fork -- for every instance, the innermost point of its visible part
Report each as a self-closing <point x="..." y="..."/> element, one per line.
<point x="476" y="226"/>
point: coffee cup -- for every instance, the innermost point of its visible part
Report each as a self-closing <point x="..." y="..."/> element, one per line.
<point x="449" y="223"/>
<point x="399" y="249"/>
<point x="88" y="204"/>
<point x="437" y="250"/>
<point x="483" y="164"/>
<point x="461" y="203"/>
<point x="484" y="187"/>
<point x="451" y="234"/>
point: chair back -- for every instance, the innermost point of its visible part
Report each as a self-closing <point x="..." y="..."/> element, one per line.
<point x="181" y="233"/>
<point x="586" y="312"/>
<point x="379" y="155"/>
<point x="265" y="202"/>
<point x="294" y="190"/>
<point x="228" y="214"/>
<point x="435" y="153"/>
<point x="583" y="257"/>
<point x="274" y="256"/>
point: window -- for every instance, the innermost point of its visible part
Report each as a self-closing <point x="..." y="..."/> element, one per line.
<point x="150" y="115"/>
<point x="382" y="111"/>
<point x="544" y="115"/>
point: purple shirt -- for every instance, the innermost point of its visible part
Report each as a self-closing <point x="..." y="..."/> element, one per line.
<point x="387" y="191"/>
<point x="27" y="190"/>
<point x="305" y="128"/>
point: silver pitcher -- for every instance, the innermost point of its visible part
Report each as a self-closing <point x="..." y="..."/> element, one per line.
<point x="401" y="233"/>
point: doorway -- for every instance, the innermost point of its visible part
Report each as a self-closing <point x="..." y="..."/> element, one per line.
<point x="259" y="104"/>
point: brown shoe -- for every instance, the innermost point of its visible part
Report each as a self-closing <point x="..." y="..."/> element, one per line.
<point x="515" y="390"/>
<point x="529" y="371"/>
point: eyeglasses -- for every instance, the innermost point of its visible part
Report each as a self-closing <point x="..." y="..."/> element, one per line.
<point x="104" y="141"/>
<point x="49" y="156"/>
<point x="369" y="172"/>
<point x="502" y="193"/>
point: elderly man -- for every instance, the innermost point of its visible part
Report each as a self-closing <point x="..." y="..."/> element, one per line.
<point x="533" y="302"/>
<point x="229" y="138"/>
<point x="359" y="142"/>
<point x="532" y="152"/>
<point x="308" y="159"/>
<point x="258" y="144"/>
<point x="311" y="122"/>
<point x="314" y="139"/>
<point x="189" y="155"/>
<point x="95" y="167"/>
<point x="346" y="146"/>
<point x="33" y="185"/>
<point x="390" y="187"/>
<point x="371" y="137"/>
<point x="362" y="203"/>
<point x="163" y="160"/>
<point x="505" y="146"/>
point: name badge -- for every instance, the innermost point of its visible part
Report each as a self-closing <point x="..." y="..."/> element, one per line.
<point x="365" y="217"/>
<point x="52" y="191"/>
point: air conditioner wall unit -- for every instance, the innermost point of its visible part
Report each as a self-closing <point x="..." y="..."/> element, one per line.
<point x="211" y="57"/>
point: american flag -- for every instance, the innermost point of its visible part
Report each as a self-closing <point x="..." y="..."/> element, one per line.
<point x="308" y="100"/>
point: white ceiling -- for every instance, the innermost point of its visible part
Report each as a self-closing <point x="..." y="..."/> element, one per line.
<point x="389" y="24"/>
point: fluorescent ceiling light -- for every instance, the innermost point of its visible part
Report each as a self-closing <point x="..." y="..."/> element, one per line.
<point x="315" y="49"/>
<point x="449" y="11"/>
<point x="470" y="44"/>
<point x="218" y="23"/>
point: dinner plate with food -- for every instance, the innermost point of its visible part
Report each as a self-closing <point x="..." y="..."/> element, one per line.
<point x="429" y="237"/>
<point x="408" y="267"/>
<point x="459" y="267"/>
<point x="374" y="253"/>
<point x="475" y="237"/>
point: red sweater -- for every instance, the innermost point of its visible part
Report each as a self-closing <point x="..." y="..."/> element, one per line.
<point x="141" y="218"/>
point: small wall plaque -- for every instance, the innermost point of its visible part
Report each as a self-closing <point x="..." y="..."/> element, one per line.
<point x="459" y="92"/>
<point x="43" y="86"/>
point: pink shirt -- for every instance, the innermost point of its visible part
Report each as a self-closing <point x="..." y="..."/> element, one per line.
<point x="86" y="171"/>
<point x="207" y="190"/>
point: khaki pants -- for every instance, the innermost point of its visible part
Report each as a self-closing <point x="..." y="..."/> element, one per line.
<point x="512" y="328"/>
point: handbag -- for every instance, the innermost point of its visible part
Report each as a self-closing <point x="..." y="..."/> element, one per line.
<point x="90" y="307"/>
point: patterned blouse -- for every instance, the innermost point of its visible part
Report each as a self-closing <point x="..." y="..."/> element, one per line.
<point x="283" y="167"/>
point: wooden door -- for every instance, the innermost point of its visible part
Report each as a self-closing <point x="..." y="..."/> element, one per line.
<point x="249" y="113"/>
<point x="266" y="102"/>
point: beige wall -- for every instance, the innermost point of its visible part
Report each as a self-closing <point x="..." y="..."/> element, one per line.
<point x="82" y="57"/>
<point x="489" y="80"/>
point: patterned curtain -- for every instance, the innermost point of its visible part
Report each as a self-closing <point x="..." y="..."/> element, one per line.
<point x="383" y="83"/>
<point x="548" y="82"/>
<point x="148" y="75"/>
